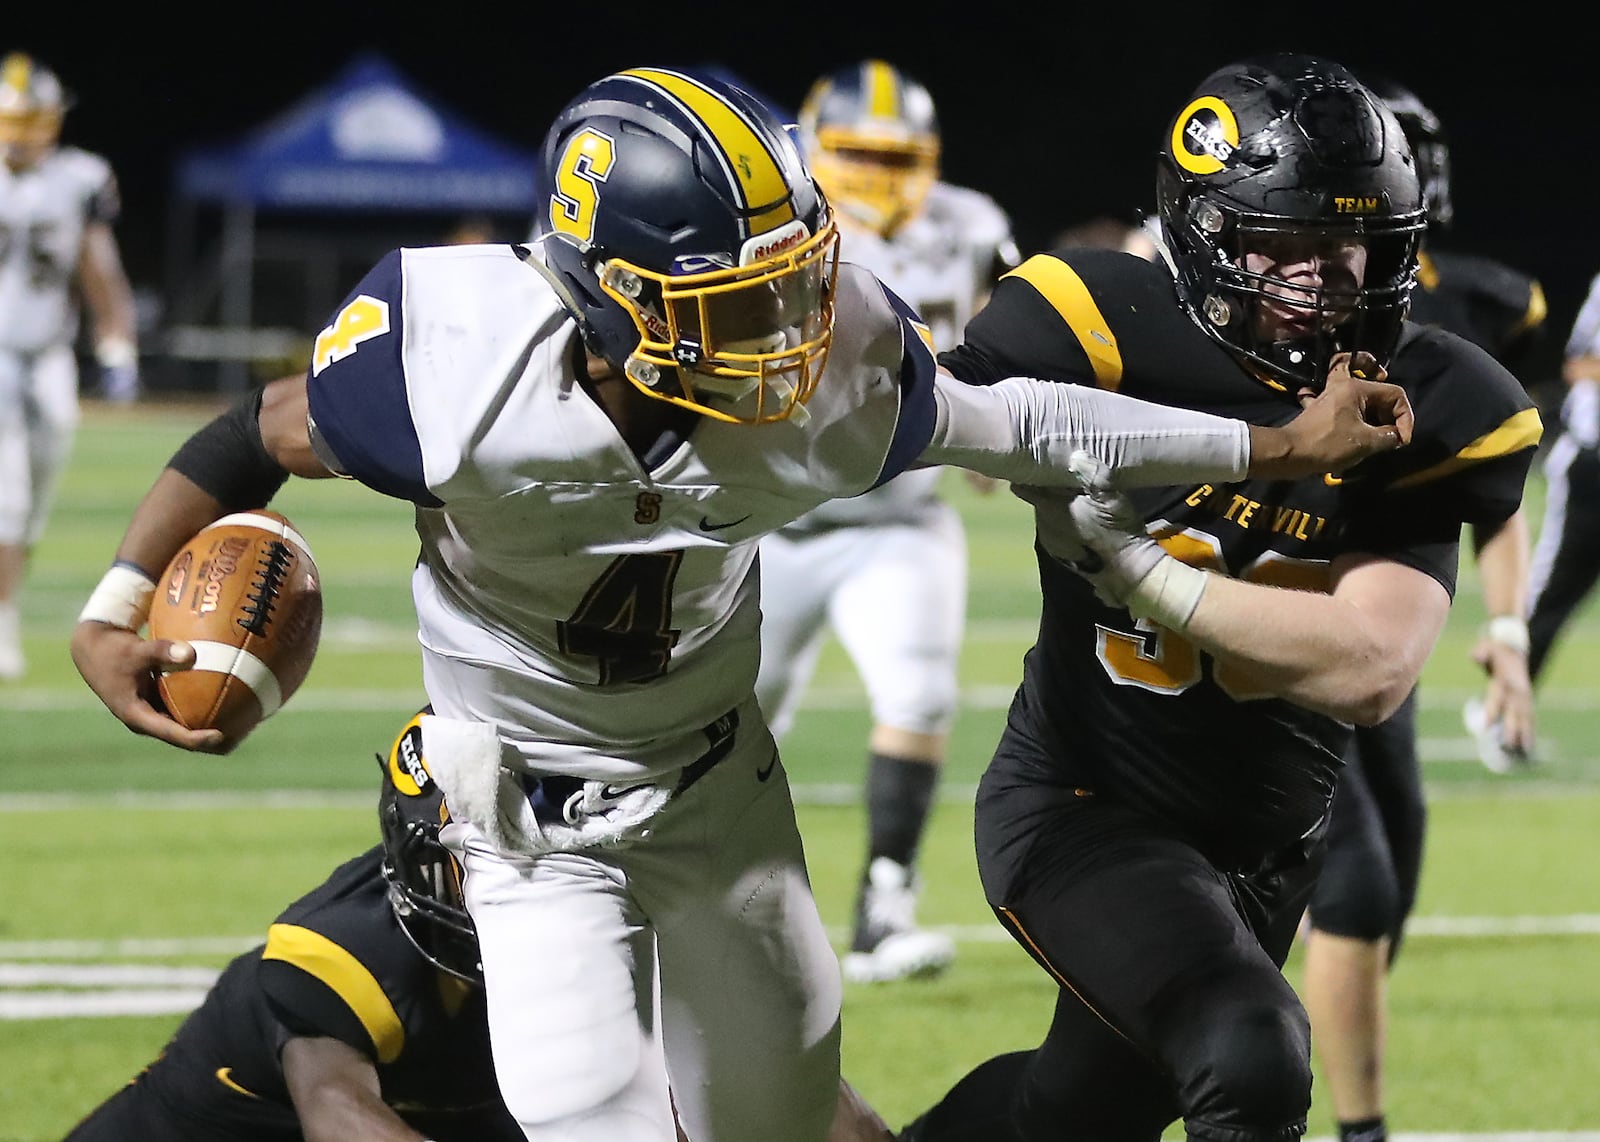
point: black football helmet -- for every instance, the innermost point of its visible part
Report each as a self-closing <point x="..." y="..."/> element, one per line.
<point x="1286" y="158"/>
<point x="424" y="878"/>
<point x="1430" y="146"/>
<point x="694" y="248"/>
<point x="32" y="104"/>
<point x="872" y="137"/>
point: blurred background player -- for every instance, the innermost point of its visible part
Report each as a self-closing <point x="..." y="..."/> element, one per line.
<point x="57" y="205"/>
<point x="887" y="570"/>
<point x="1377" y="829"/>
<point x="362" y="1016"/>
<point x="1566" y="561"/>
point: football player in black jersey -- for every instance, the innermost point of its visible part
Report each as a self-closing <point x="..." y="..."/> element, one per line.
<point x="336" y="1028"/>
<point x="361" y="1017"/>
<point x="1376" y="834"/>
<point x="1151" y="823"/>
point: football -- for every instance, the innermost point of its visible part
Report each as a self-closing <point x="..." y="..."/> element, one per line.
<point x="246" y="595"/>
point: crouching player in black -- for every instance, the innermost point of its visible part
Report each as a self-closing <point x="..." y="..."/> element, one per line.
<point x="1150" y="826"/>
<point x="362" y="1016"/>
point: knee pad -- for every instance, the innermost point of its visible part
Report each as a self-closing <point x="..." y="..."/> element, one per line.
<point x="1250" y="1080"/>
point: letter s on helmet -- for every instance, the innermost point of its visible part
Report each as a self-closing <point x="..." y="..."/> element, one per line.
<point x="696" y="251"/>
<point x="1289" y="149"/>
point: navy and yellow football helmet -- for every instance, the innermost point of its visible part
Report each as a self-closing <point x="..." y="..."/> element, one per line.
<point x="1290" y="153"/>
<point x="1430" y="146"/>
<point x="693" y="246"/>
<point x="872" y="137"/>
<point x="32" y="104"/>
<point x="424" y="878"/>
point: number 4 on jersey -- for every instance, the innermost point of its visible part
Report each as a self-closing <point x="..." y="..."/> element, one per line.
<point x="363" y="319"/>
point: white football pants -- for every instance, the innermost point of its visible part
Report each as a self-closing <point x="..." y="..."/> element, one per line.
<point x="695" y="952"/>
<point x="38" y="417"/>
<point x="895" y="594"/>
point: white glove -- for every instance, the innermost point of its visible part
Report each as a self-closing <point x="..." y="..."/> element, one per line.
<point x="1118" y="552"/>
<point x="1126" y="567"/>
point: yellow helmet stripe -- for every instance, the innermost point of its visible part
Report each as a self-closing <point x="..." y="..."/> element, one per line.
<point x="1060" y="285"/>
<point x="881" y="91"/>
<point x="753" y="169"/>
<point x="15" y="71"/>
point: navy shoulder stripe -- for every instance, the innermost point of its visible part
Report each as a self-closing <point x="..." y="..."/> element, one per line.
<point x="357" y="388"/>
<point x="915" y="426"/>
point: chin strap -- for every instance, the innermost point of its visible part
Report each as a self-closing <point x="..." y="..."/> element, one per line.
<point x="525" y="251"/>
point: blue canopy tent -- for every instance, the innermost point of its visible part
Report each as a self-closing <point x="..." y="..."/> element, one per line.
<point x="367" y="143"/>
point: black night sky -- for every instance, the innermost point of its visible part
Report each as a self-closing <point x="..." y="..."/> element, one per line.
<point x="1055" y="113"/>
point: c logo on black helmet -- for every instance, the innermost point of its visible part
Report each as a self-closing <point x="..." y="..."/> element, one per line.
<point x="1204" y="136"/>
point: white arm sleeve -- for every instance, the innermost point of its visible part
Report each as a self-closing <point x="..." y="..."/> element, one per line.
<point x="1025" y="431"/>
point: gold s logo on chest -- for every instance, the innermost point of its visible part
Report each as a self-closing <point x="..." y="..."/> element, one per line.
<point x="647" y="508"/>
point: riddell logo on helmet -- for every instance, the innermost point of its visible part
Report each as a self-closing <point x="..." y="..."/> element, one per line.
<point x="773" y="243"/>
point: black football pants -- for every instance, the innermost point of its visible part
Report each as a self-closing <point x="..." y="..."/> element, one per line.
<point x="1172" y="1002"/>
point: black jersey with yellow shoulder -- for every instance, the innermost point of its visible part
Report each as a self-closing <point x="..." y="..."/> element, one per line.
<point x="1491" y="304"/>
<point x="1137" y="713"/>
<point x="336" y="963"/>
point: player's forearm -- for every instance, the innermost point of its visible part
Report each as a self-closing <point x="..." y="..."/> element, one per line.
<point x="1503" y="560"/>
<point x="1309" y="648"/>
<point x="1026" y="431"/>
<point x="106" y="290"/>
<point x="172" y="511"/>
<point x="337" y="1096"/>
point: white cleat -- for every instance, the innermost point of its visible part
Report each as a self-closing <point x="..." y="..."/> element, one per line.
<point x="1492" y="751"/>
<point x="888" y="945"/>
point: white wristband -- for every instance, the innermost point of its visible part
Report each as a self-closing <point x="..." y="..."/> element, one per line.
<point x="122" y="598"/>
<point x="1508" y="631"/>
<point x="1169" y="594"/>
<point x="116" y="352"/>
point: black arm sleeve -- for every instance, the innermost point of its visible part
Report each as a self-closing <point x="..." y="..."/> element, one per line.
<point x="228" y="458"/>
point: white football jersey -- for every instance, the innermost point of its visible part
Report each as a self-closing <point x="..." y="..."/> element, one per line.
<point x="43" y="211"/>
<point x="599" y="610"/>
<point x="941" y="263"/>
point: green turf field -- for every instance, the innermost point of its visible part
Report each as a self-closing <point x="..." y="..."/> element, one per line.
<point x="128" y="856"/>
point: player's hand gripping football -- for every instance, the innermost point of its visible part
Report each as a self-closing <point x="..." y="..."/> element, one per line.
<point x="1356" y="415"/>
<point x="121" y="667"/>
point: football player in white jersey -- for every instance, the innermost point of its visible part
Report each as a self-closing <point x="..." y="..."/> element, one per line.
<point x="887" y="571"/>
<point x="57" y="205"/>
<point x="594" y="433"/>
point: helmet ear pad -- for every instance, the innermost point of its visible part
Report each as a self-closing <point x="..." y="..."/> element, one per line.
<point x="606" y="328"/>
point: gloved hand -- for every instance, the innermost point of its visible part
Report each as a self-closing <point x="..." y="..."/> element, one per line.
<point x="119" y="369"/>
<point x="1128" y="568"/>
<point x="1119" y="553"/>
<point x="119" y="383"/>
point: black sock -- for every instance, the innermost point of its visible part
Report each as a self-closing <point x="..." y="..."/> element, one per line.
<point x="1364" y="1130"/>
<point x="899" y="796"/>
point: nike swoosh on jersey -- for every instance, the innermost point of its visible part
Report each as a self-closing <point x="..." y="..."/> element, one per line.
<point x="763" y="774"/>
<point x="707" y="525"/>
<point x="225" y="1077"/>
